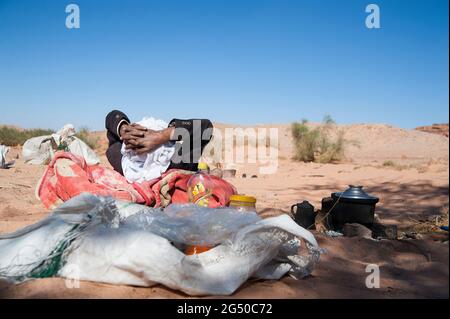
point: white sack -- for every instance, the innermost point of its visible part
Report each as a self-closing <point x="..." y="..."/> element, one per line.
<point x="41" y="150"/>
<point x="3" y="163"/>
<point x="80" y="148"/>
<point x="108" y="245"/>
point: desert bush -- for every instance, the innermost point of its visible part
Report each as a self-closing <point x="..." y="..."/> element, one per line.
<point x="315" y="144"/>
<point x="388" y="164"/>
<point x="396" y="166"/>
<point x="11" y="136"/>
<point x="86" y="136"/>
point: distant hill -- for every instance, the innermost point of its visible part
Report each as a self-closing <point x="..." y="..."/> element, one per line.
<point x="441" y="129"/>
<point x="367" y="143"/>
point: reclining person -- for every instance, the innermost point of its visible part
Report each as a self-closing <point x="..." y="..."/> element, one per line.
<point x="194" y="134"/>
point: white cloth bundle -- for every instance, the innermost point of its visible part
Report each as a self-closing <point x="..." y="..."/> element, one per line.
<point x="145" y="167"/>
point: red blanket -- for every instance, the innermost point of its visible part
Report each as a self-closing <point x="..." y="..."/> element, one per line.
<point x="68" y="176"/>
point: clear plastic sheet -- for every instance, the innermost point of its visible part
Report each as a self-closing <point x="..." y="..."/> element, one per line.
<point x="191" y="224"/>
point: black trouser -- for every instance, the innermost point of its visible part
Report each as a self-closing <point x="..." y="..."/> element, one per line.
<point x="195" y="132"/>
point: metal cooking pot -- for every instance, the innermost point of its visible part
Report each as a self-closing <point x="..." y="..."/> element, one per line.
<point x="351" y="206"/>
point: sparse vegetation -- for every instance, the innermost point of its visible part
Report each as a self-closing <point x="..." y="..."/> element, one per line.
<point x="315" y="144"/>
<point x="428" y="225"/>
<point x="11" y="136"/>
<point x="85" y="135"/>
<point x="388" y="164"/>
<point x="396" y="166"/>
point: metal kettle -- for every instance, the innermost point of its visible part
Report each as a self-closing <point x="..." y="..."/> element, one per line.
<point x="304" y="214"/>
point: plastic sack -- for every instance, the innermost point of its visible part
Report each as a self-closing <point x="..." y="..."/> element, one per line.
<point x="40" y="150"/>
<point x="3" y="151"/>
<point x="100" y="239"/>
<point x="36" y="250"/>
<point x="3" y="163"/>
<point x="80" y="148"/>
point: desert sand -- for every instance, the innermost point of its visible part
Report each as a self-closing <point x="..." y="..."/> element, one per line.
<point x="407" y="169"/>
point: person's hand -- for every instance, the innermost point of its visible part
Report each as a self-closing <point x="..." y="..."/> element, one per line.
<point x="132" y="131"/>
<point x="149" y="142"/>
<point x="129" y="133"/>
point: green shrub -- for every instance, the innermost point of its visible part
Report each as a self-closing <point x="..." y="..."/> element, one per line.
<point x="315" y="145"/>
<point x="85" y="135"/>
<point x="11" y="136"/>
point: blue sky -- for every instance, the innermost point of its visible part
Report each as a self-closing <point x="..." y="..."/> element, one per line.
<point x="243" y="62"/>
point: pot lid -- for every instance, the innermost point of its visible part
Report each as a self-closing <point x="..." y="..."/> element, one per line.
<point x="355" y="194"/>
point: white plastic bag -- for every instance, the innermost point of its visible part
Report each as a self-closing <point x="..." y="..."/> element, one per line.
<point x="3" y="163"/>
<point x="41" y="150"/>
<point x="80" y="148"/>
<point x="3" y="151"/>
<point x="31" y="251"/>
<point x="100" y="239"/>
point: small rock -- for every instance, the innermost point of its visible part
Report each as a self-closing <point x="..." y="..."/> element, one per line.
<point x="410" y="235"/>
<point x="356" y="230"/>
<point x="380" y="231"/>
<point x="244" y="175"/>
<point x="254" y="176"/>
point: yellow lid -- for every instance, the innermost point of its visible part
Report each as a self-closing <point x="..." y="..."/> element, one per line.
<point x="202" y="166"/>
<point x="243" y="198"/>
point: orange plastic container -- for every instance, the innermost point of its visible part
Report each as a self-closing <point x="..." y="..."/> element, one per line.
<point x="193" y="250"/>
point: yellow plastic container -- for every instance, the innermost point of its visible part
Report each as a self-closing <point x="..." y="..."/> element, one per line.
<point x="243" y="203"/>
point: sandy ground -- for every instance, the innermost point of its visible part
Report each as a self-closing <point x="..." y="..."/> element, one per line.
<point x="413" y="187"/>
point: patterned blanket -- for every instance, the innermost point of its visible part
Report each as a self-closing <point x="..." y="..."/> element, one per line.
<point x="68" y="176"/>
